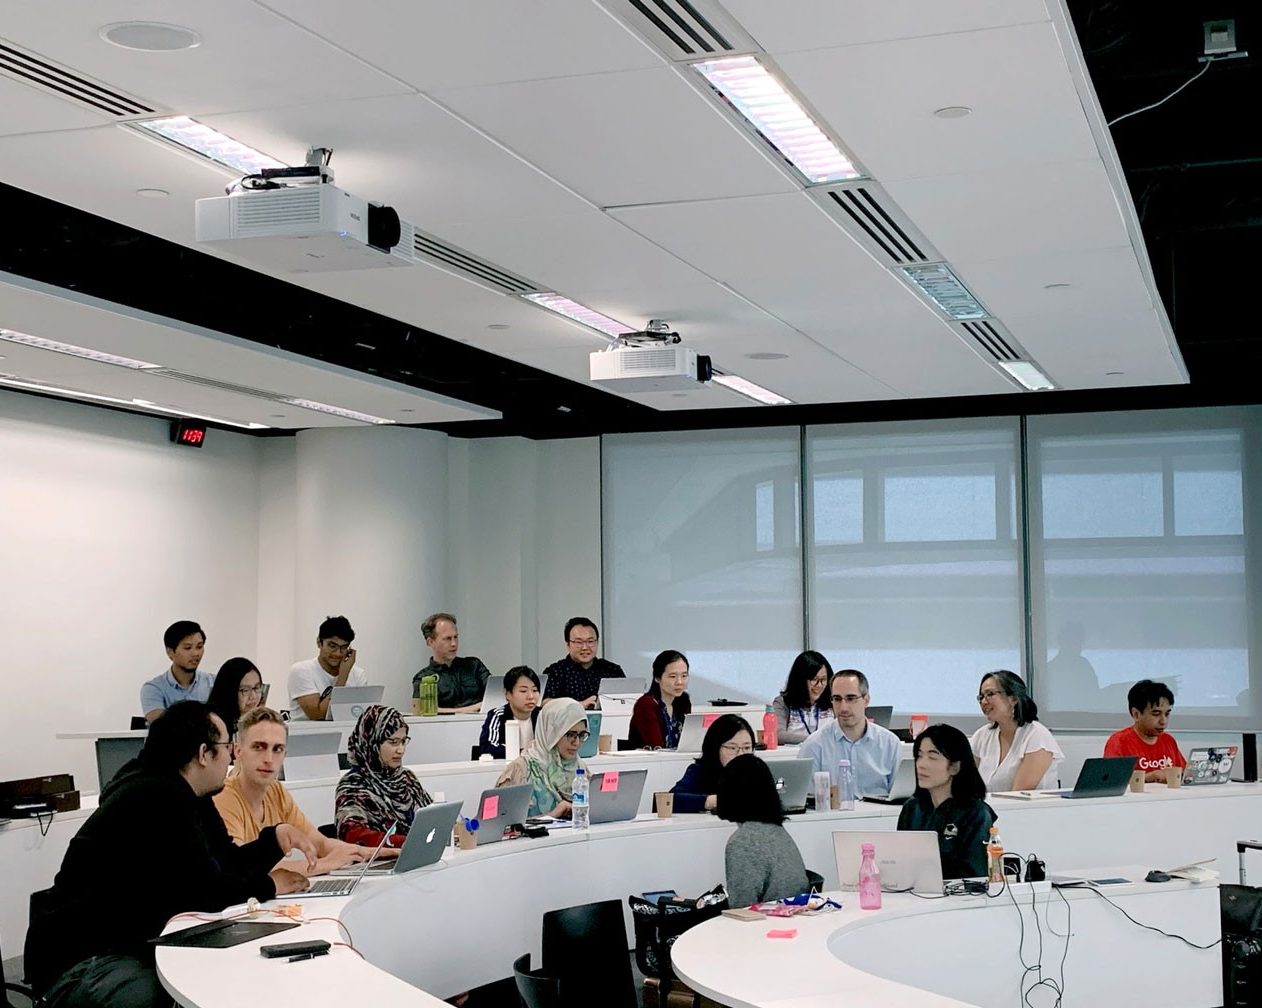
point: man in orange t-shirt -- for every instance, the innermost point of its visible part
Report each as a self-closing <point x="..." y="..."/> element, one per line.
<point x="1150" y="705"/>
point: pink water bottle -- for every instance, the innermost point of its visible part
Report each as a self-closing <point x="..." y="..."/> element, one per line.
<point x="770" y="729"/>
<point x="869" y="880"/>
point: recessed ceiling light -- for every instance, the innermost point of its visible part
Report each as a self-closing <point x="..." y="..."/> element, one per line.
<point x="1029" y="375"/>
<point x="1114" y="374"/>
<point x="579" y="313"/>
<point x="952" y="111"/>
<point x="150" y="36"/>
<point x="499" y="326"/>
<point x="152" y="193"/>
<point x="767" y="355"/>
<point x="9" y="336"/>
<point x="337" y="411"/>
<point x="938" y="282"/>
<point x="745" y="387"/>
<point x="209" y="143"/>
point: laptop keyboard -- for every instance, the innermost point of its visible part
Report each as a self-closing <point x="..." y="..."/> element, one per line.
<point x="330" y="885"/>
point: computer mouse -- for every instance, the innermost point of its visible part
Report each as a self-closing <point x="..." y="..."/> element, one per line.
<point x="1156" y="876"/>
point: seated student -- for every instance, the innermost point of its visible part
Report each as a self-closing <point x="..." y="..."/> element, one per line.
<point x="238" y="688"/>
<point x="728" y="736"/>
<point x="950" y="799"/>
<point x="761" y="860"/>
<point x="310" y="683"/>
<point x="549" y="762"/>
<point x="1150" y="705"/>
<point x="378" y="793"/>
<point x="873" y="751"/>
<point x="578" y="674"/>
<point x="1014" y="752"/>
<point x="658" y="716"/>
<point x="461" y="678"/>
<point x="803" y="706"/>
<point x="253" y="798"/>
<point x="185" y="644"/>
<point x="521" y="690"/>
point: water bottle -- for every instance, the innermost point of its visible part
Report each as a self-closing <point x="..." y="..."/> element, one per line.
<point x="770" y="729"/>
<point x="425" y="696"/>
<point x="994" y="856"/>
<point x="845" y="786"/>
<point x="869" y="880"/>
<point x="581" y="809"/>
<point x="512" y="737"/>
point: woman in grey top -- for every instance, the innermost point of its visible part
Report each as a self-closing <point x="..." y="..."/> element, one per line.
<point x="762" y="861"/>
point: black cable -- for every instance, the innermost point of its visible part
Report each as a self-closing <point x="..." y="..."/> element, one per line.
<point x="1150" y="927"/>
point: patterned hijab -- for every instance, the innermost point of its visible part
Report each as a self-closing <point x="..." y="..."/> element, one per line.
<point x="544" y="766"/>
<point x="370" y="791"/>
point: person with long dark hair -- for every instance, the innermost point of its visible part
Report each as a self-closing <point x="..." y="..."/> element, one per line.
<point x="803" y="705"/>
<point x="727" y="737"/>
<point x="949" y="799"/>
<point x="658" y="716"/>
<point x="238" y="688"/>
<point x="1014" y="752"/>
<point x="761" y="861"/>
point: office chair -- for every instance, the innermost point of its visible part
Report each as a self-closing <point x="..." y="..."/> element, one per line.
<point x="586" y="949"/>
<point x="535" y="989"/>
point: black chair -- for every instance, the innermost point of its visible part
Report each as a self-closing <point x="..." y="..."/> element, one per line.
<point x="586" y="949"/>
<point x="476" y="751"/>
<point x="534" y="988"/>
<point x="139" y="724"/>
<point x="7" y="988"/>
<point x="654" y="935"/>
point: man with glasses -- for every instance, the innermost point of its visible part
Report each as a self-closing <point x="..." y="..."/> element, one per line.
<point x="461" y="678"/>
<point x="578" y="674"/>
<point x="153" y="848"/>
<point x="873" y="751"/>
<point x="185" y="644"/>
<point x="311" y="682"/>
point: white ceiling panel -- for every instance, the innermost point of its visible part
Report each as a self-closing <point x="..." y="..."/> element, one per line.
<point x="24" y="109"/>
<point x="641" y="136"/>
<point x="1025" y="107"/>
<point x="249" y="57"/>
<point x="817" y="24"/>
<point x="476" y="41"/>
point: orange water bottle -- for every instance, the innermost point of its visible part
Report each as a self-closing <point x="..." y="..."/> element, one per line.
<point x="994" y="856"/>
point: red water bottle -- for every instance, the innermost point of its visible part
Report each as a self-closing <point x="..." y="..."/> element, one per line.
<point x="770" y="729"/>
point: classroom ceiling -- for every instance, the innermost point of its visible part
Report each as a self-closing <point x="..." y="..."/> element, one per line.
<point x="570" y="144"/>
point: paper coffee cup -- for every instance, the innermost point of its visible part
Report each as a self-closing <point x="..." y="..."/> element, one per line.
<point x="1174" y="776"/>
<point x="665" y="802"/>
<point x="1137" y="781"/>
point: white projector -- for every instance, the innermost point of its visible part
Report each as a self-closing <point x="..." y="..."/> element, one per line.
<point x="645" y="369"/>
<point x="306" y="229"/>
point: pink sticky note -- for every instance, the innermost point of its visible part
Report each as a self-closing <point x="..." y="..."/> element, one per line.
<point x="782" y="933"/>
<point x="490" y="806"/>
<point x="708" y="719"/>
<point x="609" y="780"/>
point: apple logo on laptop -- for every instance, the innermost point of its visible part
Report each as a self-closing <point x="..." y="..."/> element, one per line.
<point x="429" y="837"/>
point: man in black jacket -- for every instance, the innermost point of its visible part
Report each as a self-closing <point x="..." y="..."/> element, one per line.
<point x="155" y="847"/>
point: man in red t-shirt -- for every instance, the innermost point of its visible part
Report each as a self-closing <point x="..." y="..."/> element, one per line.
<point x="1150" y="704"/>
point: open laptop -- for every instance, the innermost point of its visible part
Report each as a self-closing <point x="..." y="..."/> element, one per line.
<point x="908" y="859"/>
<point x="881" y="714"/>
<point x="346" y="703"/>
<point x="903" y="786"/>
<point x="499" y="808"/>
<point x="793" y="781"/>
<point x="620" y="691"/>
<point x="592" y="746"/>
<point x="614" y="795"/>
<point x="1101" y="777"/>
<point x="1210" y="766"/>
<point x="345" y="885"/>
<point x="494" y="695"/>
<point x="695" y="727"/>
<point x="428" y="836"/>
<point x="311" y="755"/>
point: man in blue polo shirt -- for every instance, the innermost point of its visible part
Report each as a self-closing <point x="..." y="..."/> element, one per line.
<point x="873" y="751"/>
<point x="185" y="642"/>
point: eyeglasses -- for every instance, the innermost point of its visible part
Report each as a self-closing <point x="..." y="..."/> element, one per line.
<point x="819" y="681"/>
<point x="849" y="698"/>
<point x="583" y="642"/>
<point x="737" y="749"/>
<point x="401" y="743"/>
<point x="577" y="736"/>
<point x="987" y="694"/>
<point x="249" y="690"/>
<point x="212" y="745"/>
<point x="337" y="648"/>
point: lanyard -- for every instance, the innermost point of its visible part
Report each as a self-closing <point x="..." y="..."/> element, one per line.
<point x="802" y="717"/>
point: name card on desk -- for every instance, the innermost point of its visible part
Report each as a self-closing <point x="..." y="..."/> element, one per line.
<point x="609" y="780"/>
<point x="490" y="806"/>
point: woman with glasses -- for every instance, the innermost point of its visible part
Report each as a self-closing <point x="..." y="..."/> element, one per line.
<point x="238" y="688"/>
<point x="728" y="737"/>
<point x="378" y="794"/>
<point x="1014" y="751"/>
<point x="549" y="762"/>
<point x="761" y="860"/>
<point x="950" y="799"/>
<point x="658" y="716"/>
<point x="803" y="705"/>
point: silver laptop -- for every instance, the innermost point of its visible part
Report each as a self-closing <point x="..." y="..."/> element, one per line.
<point x="494" y="695"/>
<point x="1210" y="766"/>
<point x="345" y="885"/>
<point x="614" y="795"/>
<point x="499" y="808"/>
<point x="908" y="859"/>
<point x="620" y="691"/>
<point x="793" y="780"/>
<point x="310" y="755"/>
<point x="903" y="786"/>
<point x="695" y="727"/>
<point x="428" y="836"/>
<point x="346" y="703"/>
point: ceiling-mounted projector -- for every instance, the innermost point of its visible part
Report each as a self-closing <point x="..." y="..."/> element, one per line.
<point x="649" y="368"/>
<point x="315" y="228"/>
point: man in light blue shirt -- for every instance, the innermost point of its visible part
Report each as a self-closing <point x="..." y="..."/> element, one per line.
<point x="873" y="751"/>
<point x="185" y="643"/>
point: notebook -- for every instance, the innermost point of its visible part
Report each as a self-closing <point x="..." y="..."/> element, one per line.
<point x="345" y="885"/>
<point x="614" y="795"/>
<point x="346" y="703"/>
<point x="222" y="933"/>
<point x="1210" y="766"/>
<point x="908" y="859"/>
<point x="499" y="808"/>
<point x="793" y="781"/>
<point x="903" y="786"/>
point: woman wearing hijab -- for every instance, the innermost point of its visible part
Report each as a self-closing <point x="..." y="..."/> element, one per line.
<point x="549" y="762"/>
<point x="378" y="793"/>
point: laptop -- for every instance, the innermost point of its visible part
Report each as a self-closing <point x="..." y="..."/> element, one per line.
<point x="908" y="859"/>
<point x="620" y="691"/>
<point x="614" y="795"/>
<point x="345" y="885"/>
<point x="903" y="786"/>
<point x="695" y="727"/>
<point x="494" y="695"/>
<point x="1101" y="777"/>
<point x="881" y="714"/>
<point x="311" y="755"/>
<point x="429" y="834"/>
<point x="592" y="746"/>
<point x="1210" y="766"/>
<point x="346" y="703"/>
<point x="499" y="808"/>
<point x="793" y="780"/>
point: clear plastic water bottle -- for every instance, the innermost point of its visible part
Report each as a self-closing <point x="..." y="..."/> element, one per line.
<point x="770" y="728"/>
<point x="845" y="786"/>
<point x="581" y="809"/>
<point x="994" y="856"/>
<point x="869" y="880"/>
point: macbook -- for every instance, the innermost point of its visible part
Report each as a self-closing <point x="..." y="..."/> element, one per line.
<point x="1101" y="777"/>
<point x="881" y="714"/>
<point x="1210" y="766"/>
<point x="592" y="746"/>
<point x="429" y="834"/>
<point x="344" y="886"/>
<point x="695" y="727"/>
<point x="346" y="703"/>
<point x="903" y="786"/>
<point x="499" y="808"/>
<point x="908" y="859"/>
<point x="620" y="691"/>
<point x="615" y="795"/>
<point x="310" y="755"/>
<point x="793" y="781"/>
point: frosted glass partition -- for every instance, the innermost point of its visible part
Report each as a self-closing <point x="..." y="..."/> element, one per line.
<point x="702" y="553"/>
<point x="915" y="560"/>
<point x="1139" y="533"/>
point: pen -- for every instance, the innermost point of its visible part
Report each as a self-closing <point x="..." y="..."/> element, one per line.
<point x="308" y="955"/>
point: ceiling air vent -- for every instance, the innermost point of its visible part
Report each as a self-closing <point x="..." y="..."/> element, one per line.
<point x="991" y="339"/>
<point x="684" y="30"/>
<point x="213" y="383"/>
<point x="866" y="212"/>
<point x="38" y="72"/>
<point x="465" y="264"/>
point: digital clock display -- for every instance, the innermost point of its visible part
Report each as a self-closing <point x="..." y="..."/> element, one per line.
<point x="186" y="432"/>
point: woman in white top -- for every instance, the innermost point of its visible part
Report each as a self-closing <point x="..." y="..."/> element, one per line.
<point x="1014" y="752"/>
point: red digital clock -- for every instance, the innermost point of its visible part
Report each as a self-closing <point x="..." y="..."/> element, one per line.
<point x="186" y="432"/>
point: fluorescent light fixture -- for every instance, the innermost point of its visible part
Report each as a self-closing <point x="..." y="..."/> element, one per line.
<point x="1029" y="375"/>
<point x="9" y="336"/>
<point x="938" y="282"/>
<point x="337" y="411"/>
<point x="579" y="313"/>
<point x="745" y="387"/>
<point x="209" y="143"/>
<point x="767" y="105"/>
<point x="35" y="386"/>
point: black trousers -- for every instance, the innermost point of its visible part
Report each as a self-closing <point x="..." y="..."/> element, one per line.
<point x="109" y="982"/>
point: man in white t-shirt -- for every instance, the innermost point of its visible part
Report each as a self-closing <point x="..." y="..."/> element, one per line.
<point x="311" y="682"/>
